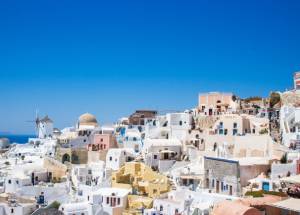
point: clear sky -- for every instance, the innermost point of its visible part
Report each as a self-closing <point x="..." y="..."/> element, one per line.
<point x="67" y="57"/>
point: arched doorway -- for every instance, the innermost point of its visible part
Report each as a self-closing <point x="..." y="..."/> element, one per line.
<point x="66" y="157"/>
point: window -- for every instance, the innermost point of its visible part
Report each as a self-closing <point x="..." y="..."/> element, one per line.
<point x="213" y="183"/>
<point x="161" y="208"/>
<point x="176" y="211"/>
<point x="17" y="182"/>
<point x="107" y="200"/>
<point x="222" y="186"/>
<point x="155" y="156"/>
<point x="234" y="132"/>
<point x="225" y="132"/>
<point x="180" y="123"/>
<point x="9" y="181"/>
<point x="101" y="140"/>
<point x="12" y="210"/>
<point x="89" y="171"/>
<point x="110" y="158"/>
<point x="119" y="201"/>
<point x="234" y="125"/>
<point x="88" y="198"/>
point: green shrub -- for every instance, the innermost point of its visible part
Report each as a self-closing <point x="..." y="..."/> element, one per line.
<point x="264" y="131"/>
<point x="255" y="194"/>
<point x="54" y="204"/>
<point x="260" y="193"/>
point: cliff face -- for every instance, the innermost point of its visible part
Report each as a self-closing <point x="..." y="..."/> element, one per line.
<point x="291" y="98"/>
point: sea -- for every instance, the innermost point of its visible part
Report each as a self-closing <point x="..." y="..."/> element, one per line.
<point x="17" y="138"/>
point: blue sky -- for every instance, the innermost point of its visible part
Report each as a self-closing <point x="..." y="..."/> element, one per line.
<point x="112" y="57"/>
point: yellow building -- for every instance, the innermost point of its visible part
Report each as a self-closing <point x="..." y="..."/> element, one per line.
<point x="57" y="169"/>
<point x="136" y="203"/>
<point x="145" y="183"/>
<point x="141" y="179"/>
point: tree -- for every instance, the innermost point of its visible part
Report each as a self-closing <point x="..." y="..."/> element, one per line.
<point x="283" y="159"/>
<point x="274" y="99"/>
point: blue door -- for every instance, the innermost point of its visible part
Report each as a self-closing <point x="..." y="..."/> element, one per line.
<point x="266" y="186"/>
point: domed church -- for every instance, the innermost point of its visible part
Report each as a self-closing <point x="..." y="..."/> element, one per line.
<point x="86" y="123"/>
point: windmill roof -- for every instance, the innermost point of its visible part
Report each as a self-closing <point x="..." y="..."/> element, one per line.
<point x="46" y="119"/>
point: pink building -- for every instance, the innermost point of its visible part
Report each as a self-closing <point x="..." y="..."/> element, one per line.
<point x="102" y="142"/>
<point x="214" y="103"/>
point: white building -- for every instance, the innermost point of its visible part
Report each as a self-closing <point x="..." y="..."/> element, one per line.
<point x="115" y="158"/>
<point x="25" y="174"/>
<point x="133" y="140"/>
<point x="186" y="202"/>
<point x="179" y="124"/>
<point x="110" y="201"/>
<point x="171" y="125"/>
<point x="91" y="174"/>
<point x="290" y="126"/>
<point x="161" y="154"/>
<point x="16" y="206"/>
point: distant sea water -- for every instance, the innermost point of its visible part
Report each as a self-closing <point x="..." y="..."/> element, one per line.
<point x="17" y="138"/>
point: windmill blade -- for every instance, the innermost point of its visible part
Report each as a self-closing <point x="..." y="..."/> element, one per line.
<point x="36" y="121"/>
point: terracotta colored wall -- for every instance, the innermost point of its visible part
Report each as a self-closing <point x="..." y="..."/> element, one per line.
<point x="106" y="140"/>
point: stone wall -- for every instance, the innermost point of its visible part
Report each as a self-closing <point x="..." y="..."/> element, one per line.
<point x="222" y="171"/>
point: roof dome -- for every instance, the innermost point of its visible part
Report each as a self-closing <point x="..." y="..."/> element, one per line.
<point x="87" y="119"/>
<point x="4" y="143"/>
